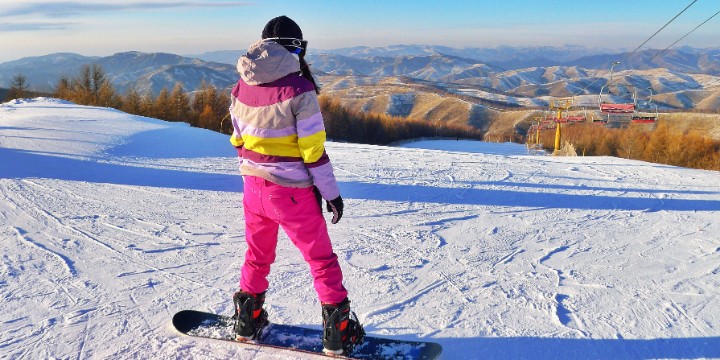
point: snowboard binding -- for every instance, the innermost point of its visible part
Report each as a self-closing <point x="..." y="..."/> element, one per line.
<point x="250" y="317"/>
<point x="342" y="331"/>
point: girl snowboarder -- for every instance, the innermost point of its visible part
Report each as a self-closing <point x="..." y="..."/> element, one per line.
<point x="280" y="136"/>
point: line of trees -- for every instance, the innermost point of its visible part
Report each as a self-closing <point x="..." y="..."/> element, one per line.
<point x="661" y="144"/>
<point x="90" y="87"/>
<point x="206" y="107"/>
<point x="381" y="129"/>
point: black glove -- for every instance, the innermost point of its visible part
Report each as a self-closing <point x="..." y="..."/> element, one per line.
<point x="335" y="206"/>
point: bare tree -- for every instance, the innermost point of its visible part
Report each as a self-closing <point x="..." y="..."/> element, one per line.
<point x="18" y="88"/>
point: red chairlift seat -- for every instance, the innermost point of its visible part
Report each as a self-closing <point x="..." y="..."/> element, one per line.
<point x="607" y="108"/>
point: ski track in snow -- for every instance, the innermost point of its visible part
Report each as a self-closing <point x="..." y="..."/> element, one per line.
<point x="110" y="223"/>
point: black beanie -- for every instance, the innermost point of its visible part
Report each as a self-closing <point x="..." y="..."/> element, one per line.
<point x="282" y="27"/>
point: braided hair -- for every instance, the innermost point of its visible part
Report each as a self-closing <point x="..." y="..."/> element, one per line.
<point x="305" y="72"/>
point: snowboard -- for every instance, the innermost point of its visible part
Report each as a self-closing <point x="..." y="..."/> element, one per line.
<point x="296" y="338"/>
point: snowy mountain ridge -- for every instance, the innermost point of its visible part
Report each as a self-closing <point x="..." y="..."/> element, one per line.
<point x="110" y="223"/>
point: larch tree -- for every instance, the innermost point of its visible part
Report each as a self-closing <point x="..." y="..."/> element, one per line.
<point x="147" y="105"/>
<point x="180" y="104"/>
<point x="163" y="105"/>
<point x="63" y="90"/>
<point x="131" y="103"/>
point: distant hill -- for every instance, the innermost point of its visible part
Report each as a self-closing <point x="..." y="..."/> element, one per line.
<point x="503" y="57"/>
<point x="686" y="59"/>
<point x="154" y="71"/>
<point x="229" y="57"/>
<point x="43" y="72"/>
<point x="434" y="67"/>
<point x="523" y="56"/>
<point x="693" y="62"/>
<point x="142" y="71"/>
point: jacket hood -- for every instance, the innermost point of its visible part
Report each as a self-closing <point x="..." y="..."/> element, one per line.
<point x="265" y="62"/>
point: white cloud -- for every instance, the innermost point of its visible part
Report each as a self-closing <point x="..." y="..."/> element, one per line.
<point x="35" y="26"/>
<point x="53" y="9"/>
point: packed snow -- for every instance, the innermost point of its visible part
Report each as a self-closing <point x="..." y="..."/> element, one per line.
<point x="110" y="223"/>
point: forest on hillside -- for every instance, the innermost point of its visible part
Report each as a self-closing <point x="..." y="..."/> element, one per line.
<point x="658" y="143"/>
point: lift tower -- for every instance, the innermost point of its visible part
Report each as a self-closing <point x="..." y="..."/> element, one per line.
<point x="560" y="105"/>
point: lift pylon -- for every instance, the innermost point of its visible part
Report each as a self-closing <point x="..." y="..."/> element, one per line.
<point x="560" y="105"/>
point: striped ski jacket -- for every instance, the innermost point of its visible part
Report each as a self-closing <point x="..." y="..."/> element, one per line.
<point x="278" y="127"/>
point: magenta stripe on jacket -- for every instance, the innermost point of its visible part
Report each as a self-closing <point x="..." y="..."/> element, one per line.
<point x="262" y="158"/>
<point x="293" y="171"/>
<point x="324" y="159"/>
<point x="277" y="91"/>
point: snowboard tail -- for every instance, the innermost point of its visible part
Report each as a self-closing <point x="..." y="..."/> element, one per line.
<point x="296" y="338"/>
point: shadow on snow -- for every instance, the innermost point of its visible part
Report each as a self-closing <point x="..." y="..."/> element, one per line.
<point x="28" y="164"/>
<point x="515" y="198"/>
<point x="559" y="349"/>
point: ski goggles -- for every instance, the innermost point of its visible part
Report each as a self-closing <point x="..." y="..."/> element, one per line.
<point x="293" y="45"/>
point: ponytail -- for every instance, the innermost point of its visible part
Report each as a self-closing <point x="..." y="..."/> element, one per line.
<point x="305" y="72"/>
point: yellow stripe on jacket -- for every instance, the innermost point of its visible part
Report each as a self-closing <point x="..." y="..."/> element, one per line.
<point x="309" y="148"/>
<point x="312" y="147"/>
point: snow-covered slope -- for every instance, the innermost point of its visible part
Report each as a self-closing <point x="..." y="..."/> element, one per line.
<point x="110" y="223"/>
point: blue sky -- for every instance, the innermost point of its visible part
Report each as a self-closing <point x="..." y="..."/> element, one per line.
<point x="33" y="28"/>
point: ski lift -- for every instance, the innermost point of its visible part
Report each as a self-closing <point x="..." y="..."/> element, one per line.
<point x="548" y="122"/>
<point x="561" y="105"/>
<point x="647" y="116"/>
<point x="533" y="134"/>
<point x="609" y="108"/>
<point x="585" y="116"/>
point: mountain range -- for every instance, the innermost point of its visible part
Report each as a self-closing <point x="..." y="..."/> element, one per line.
<point x="503" y="58"/>
<point x="430" y="82"/>
<point x="142" y="71"/>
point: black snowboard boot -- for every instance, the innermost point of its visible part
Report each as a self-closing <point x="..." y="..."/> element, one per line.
<point x="341" y="329"/>
<point x="250" y="317"/>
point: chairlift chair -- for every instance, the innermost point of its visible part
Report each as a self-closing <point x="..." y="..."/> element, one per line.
<point x="646" y="117"/>
<point x="608" y="108"/>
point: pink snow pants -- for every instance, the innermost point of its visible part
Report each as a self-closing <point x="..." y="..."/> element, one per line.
<point x="268" y="206"/>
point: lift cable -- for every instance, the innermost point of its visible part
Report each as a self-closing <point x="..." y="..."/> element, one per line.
<point x="684" y="36"/>
<point x="663" y="27"/>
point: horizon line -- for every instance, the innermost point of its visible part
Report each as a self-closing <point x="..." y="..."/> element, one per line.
<point x="609" y="51"/>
